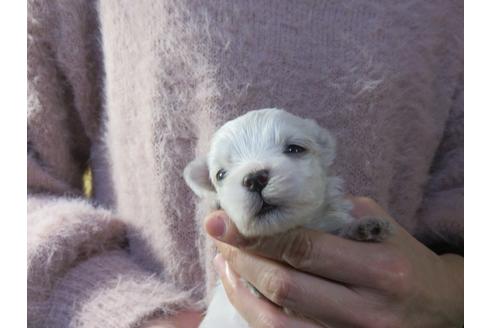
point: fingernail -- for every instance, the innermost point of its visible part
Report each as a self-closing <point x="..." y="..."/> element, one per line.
<point x="216" y="226"/>
<point x="224" y="270"/>
<point x="219" y="264"/>
<point x="230" y="275"/>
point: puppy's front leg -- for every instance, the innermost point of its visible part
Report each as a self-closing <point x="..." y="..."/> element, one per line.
<point x="367" y="229"/>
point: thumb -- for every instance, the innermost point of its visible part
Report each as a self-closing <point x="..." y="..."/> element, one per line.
<point x="366" y="207"/>
<point x="220" y="227"/>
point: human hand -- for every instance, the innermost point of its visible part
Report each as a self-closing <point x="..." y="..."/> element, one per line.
<point x="337" y="282"/>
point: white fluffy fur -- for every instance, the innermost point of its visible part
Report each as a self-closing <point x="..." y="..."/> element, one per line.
<point x="300" y="185"/>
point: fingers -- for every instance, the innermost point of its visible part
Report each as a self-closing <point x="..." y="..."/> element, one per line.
<point x="314" y="252"/>
<point x="286" y="287"/>
<point x="364" y="207"/>
<point x="258" y="312"/>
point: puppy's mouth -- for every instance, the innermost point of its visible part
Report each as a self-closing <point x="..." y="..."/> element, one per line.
<point x="266" y="208"/>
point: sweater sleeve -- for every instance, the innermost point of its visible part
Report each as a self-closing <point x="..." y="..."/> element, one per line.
<point x="441" y="215"/>
<point x="79" y="273"/>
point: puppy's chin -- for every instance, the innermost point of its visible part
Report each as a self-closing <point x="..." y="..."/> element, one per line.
<point x="264" y="219"/>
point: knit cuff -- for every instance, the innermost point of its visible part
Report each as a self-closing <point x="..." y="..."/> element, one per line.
<point x="110" y="290"/>
<point x="62" y="232"/>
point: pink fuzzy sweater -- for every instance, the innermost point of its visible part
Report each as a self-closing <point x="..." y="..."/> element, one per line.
<point x="134" y="90"/>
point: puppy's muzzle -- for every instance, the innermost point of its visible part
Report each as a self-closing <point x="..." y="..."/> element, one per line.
<point x="256" y="181"/>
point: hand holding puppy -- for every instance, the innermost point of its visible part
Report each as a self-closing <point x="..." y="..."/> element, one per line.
<point x="337" y="282"/>
<point x="270" y="171"/>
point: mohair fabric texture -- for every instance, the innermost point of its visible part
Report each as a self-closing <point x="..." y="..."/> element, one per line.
<point x="135" y="89"/>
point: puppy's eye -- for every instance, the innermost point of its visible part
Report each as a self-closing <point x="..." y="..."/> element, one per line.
<point x="220" y="174"/>
<point x="294" y="149"/>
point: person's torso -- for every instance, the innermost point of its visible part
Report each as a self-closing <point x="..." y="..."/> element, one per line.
<point x="378" y="76"/>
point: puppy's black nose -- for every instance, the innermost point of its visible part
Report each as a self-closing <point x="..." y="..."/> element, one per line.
<point x="256" y="181"/>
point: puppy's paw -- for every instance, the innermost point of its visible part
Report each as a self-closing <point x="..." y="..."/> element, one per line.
<point x="368" y="229"/>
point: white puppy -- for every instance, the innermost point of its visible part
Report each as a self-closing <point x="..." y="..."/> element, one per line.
<point x="270" y="171"/>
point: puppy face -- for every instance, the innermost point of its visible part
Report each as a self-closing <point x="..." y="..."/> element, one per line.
<point x="267" y="169"/>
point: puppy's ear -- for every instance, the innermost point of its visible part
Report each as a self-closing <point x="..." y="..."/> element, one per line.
<point x="327" y="145"/>
<point x="197" y="178"/>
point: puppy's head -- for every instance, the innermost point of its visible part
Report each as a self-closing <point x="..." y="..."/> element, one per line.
<point x="267" y="169"/>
